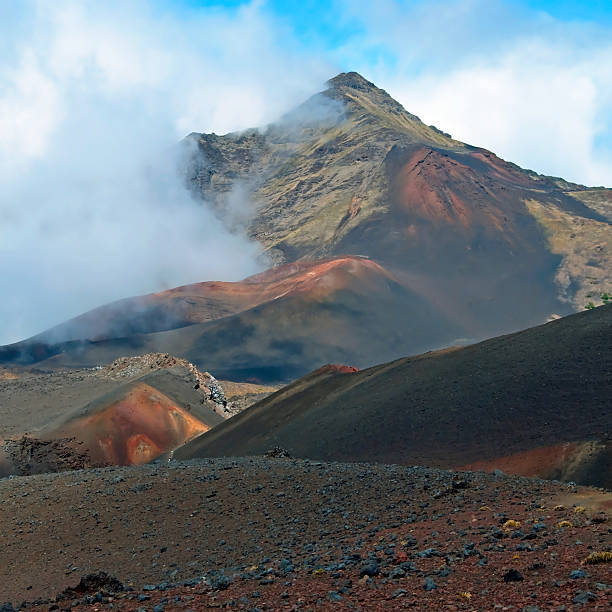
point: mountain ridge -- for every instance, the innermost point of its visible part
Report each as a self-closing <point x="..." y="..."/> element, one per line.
<point x="336" y="179"/>
<point x="476" y="246"/>
<point x="277" y="324"/>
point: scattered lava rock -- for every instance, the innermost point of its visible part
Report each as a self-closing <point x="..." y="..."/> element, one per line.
<point x="584" y="597"/>
<point x="295" y="534"/>
<point x="278" y="453"/>
<point x="513" y="575"/>
<point x="92" y="583"/>
<point x="430" y="584"/>
<point x="219" y="582"/>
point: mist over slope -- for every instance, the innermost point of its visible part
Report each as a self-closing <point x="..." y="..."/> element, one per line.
<point x="93" y="99"/>
<point x="272" y="327"/>
<point x="464" y="245"/>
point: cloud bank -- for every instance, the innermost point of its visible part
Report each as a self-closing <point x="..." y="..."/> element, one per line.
<point x="93" y="98"/>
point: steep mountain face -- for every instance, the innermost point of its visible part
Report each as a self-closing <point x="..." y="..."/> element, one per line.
<point x="350" y="171"/>
<point x="386" y="237"/>
<point x="534" y="403"/>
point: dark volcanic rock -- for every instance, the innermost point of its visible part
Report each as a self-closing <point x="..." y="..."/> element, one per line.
<point x="93" y="583"/>
<point x="513" y="576"/>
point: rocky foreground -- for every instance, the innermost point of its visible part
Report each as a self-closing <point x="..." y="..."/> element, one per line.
<point x="262" y="533"/>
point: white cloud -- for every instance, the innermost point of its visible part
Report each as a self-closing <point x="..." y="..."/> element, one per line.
<point x="29" y="110"/>
<point x="94" y="94"/>
<point x="93" y="97"/>
<point x="539" y="111"/>
<point x="534" y="90"/>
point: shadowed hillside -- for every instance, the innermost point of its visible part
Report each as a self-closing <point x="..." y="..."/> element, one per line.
<point x="544" y="392"/>
<point x="389" y="238"/>
<point x="287" y="321"/>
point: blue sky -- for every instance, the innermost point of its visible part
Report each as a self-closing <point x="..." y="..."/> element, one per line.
<point x="574" y="10"/>
<point x="323" y="21"/>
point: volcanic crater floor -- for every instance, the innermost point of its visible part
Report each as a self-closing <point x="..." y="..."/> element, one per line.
<point x="273" y="534"/>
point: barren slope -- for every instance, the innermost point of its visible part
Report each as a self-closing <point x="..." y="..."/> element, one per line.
<point x="532" y="392"/>
<point x="351" y="171"/>
<point x="347" y="309"/>
<point x="462" y="246"/>
<point x="128" y="412"/>
<point x="302" y="535"/>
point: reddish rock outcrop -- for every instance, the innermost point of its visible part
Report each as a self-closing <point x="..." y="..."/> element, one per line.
<point x="135" y="428"/>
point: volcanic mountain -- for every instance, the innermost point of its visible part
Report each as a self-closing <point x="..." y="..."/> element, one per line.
<point x="535" y="402"/>
<point x="388" y="238"/>
<point x="269" y="327"/>
<point x="351" y="171"/>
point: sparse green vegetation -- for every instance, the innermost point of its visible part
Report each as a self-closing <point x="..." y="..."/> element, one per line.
<point x="605" y="297"/>
<point x="511" y="524"/>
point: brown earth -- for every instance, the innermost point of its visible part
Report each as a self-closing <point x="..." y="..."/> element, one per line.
<point x="260" y="533"/>
<point x="297" y="317"/>
<point x="535" y="403"/>
<point x="130" y="411"/>
<point x="570" y="461"/>
<point x="136" y="427"/>
<point x="27" y="455"/>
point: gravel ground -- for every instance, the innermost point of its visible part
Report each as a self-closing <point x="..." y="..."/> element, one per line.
<point x="255" y="533"/>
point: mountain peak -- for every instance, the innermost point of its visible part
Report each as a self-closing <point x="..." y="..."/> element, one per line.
<point x="353" y="89"/>
<point x="353" y="80"/>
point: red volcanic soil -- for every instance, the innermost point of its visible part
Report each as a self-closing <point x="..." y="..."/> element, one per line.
<point x="463" y="206"/>
<point x="314" y="278"/>
<point x="455" y="228"/>
<point x="561" y="461"/>
<point x="293" y="319"/>
<point x="128" y="412"/>
<point x="433" y="186"/>
<point x="133" y="429"/>
<point x="211" y="300"/>
<point x="261" y="533"/>
<point x="334" y="368"/>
